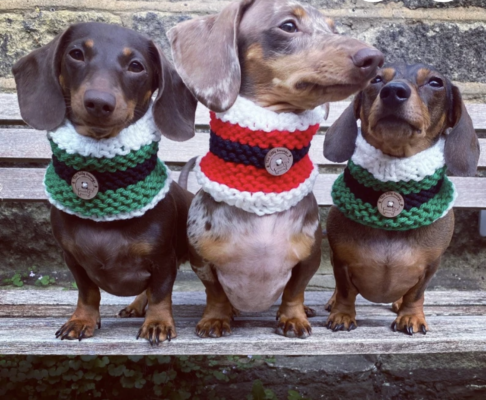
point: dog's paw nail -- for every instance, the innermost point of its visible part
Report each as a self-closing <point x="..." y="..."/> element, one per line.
<point x="424" y="329"/>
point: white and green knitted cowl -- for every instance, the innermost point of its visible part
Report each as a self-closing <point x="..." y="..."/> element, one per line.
<point x="421" y="181"/>
<point x="130" y="177"/>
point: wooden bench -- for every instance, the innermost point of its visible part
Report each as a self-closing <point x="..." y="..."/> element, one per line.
<point x="30" y="317"/>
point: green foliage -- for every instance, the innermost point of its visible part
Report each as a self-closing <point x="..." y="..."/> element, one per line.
<point x="45" y="280"/>
<point x="137" y="377"/>
<point x="15" y="280"/>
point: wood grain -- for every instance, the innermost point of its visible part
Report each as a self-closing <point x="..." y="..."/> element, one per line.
<point x="26" y="184"/>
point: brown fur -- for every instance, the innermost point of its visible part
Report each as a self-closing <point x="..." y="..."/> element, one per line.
<point x="131" y="257"/>
<point x="244" y="50"/>
<point x="395" y="266"/>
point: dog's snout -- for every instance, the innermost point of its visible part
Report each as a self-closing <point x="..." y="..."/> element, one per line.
<point x="395" y="93"/>
<point x="368" y="60"/>
<point x="98" y="103"/>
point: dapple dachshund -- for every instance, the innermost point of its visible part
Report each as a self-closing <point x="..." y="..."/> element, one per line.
<point x="101" y="79"/>
<point x="283" y="60"/>
<point x="413" y="125"/>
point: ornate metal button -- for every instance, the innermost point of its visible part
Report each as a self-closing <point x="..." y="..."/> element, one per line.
<point x="278" y="161"/>
<point x="390" y="204"/>
<point x="85" y="185"/>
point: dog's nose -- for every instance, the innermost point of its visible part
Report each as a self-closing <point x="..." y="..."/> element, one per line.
<point x="98" y="103"/>
<point x="395" y="93"/>
<point x="368" y="60"/>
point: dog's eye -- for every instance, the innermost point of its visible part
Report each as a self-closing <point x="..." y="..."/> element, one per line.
<point x="377" y="79"/>
<point x="77" y="55"/>
<point x="288" y="26"/>
<point x="436" y="82"/>
<point x="135" y="66"/>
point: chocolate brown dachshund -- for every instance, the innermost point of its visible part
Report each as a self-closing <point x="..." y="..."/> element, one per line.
<point x="101" y="78"/>
<point x="406" y="113"/>
<point x="284" y="57"/>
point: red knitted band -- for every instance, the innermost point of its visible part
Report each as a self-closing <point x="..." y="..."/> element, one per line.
<point x="251" y="179"/>
<point x="265" y="140"/>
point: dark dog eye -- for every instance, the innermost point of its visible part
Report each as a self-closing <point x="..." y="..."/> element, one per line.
<point x="135" y="66"/>
<point x="377" y="79"/>
<point x="289" y="27"/>
<point x="77" y="55"/>
<point x="436" y="82"/>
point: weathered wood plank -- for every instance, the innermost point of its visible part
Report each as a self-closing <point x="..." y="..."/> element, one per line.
<point x="9" y="111"/>
<point x="32" y="145"/>
<point x="26" y="184"/>
<point x="250" y="336"/>
<point x="56" y="297"/>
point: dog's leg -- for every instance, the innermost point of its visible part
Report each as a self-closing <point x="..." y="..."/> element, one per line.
<point x="136" y="308"/>
<point x="217" y="316"/>
<point x="411" y="317"/>
<point x="343" y="312"/>
<point x="331" y="301"/>
<point x="159" y="322"/>
<point x="292" y="313"/>
<point x="87" y="314"/>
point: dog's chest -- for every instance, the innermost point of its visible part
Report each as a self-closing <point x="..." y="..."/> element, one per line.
<point x="253" y="255"/>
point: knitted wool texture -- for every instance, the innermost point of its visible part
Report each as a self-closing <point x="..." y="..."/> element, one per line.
<point x="233" y="170"/>
<point x="131" y="178"/>
<point x="420" y="179"/>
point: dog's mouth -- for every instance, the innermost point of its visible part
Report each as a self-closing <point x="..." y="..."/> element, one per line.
<point x="98" y="132"/>
<point x="393" y="122"/>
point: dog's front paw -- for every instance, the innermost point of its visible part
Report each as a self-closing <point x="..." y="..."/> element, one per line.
<point x="410" y="324"/>
<point x="156" y="331"/>
<point x="213" y="327"/>
<point x="77" y="328"/>
<point x="294" y="327"/>
<point x="341" y="321"/>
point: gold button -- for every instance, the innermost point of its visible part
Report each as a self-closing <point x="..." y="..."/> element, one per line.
<point x="278" y="161"/>
<point x="390" y="204"/>
<point x="84" y="185"/>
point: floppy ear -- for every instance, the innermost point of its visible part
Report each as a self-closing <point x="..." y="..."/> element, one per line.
<point x="39" y="93"/>
<point x="340" y="139"/>
<point x="205" y="53"/>
<point x="461" y="147"/>
<point x="174" y="109"/>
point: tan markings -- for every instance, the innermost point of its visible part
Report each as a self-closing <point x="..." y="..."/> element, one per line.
<point x="89" y="43"/>
<point x="136" y="309"/>
<point x="388" y="74"/>
<point x="127" y="51"/>
<point x="299" y="12"/>
<point x="215" y="250"/>
<point x="158" y="318"/>
<point x="422" y="75"/>
<point x="300" y="247"/>
<point x="331" y="25"/>
<point x="141" y="249"/>
<point x="147" y="96"/>
<point x="62" y="82"/>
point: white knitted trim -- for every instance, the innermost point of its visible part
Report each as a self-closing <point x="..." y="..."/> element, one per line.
<point x="133" y="137"/>
<point x="258" y="203"/>
<point x="135" y="213"/>
<point x="392" y="169"/>
<point x="249" y="115"/>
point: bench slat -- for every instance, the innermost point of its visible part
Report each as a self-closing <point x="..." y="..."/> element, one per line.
<point x="9" y="111"/>
<point x="32" y="145"/>
<point x="26" y="184"/>
<point x="250" y="336"/>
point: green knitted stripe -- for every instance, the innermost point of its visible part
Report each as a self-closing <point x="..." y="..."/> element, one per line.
<point x="367" y="179"/>
<point x="111" y="202"/>
<point x="368" y="214"/>
<point x="117" y="163"/>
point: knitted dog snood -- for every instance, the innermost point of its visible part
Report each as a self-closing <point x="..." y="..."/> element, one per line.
<point x="129" y="176"/>
<point x="420" y="182"/>
<point x="236" y="168"/>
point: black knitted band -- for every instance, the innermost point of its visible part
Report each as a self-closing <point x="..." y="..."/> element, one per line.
<point x="368" y="195"/>
<point x="245" y="154"/>
<point x="110" y="180"/>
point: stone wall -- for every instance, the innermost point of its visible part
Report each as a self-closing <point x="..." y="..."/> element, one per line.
<point x="451" y="36"/>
